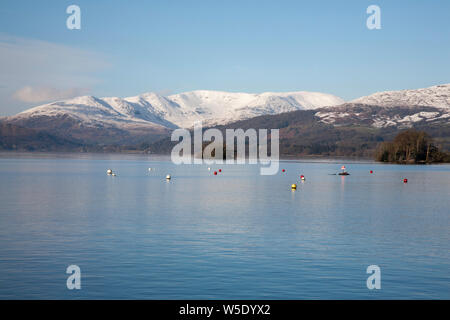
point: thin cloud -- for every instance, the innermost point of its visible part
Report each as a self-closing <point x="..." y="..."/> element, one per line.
<point x="45" y="94"/>
<point x="34" y="71"/>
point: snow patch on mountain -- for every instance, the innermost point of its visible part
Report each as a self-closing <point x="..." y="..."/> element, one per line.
<point x="350" y="114"/>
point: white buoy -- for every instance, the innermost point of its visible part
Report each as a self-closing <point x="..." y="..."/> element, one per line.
<point x="113" y="174"/>
<point x="209" y="169"/>
<point x="168" y="177"/>
<point x="149" y="169"/>
<point x="109" y="171"/>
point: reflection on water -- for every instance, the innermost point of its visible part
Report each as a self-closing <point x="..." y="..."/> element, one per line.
<point x="234" y="235"/>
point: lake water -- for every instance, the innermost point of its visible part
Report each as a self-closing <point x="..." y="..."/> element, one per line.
<point x="237" y="235"/>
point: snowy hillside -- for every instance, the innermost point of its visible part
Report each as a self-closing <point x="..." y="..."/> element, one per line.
<point x="216" y="107"/>
<point x="92" y="111"/>
<point x="179" y="110"/>
<point x="436" y="96"/>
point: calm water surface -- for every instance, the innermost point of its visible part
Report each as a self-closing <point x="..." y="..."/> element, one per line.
<point x="236" y="235"/>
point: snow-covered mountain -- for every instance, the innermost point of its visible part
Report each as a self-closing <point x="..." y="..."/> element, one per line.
<point x="179" y="110"/>
<point x="436" y="96"/>
<point x="217" y="107"/>
<point x="150" y="117"/>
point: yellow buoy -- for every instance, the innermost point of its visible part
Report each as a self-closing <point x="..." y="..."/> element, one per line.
<point x="294" y="186"/>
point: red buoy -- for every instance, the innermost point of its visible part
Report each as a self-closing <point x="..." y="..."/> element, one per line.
<point x="215" y="173"/>
<point x="220" y="170"/>
<point x="371" y="171"/>
<point x="405" y="180"/>
<point x="283" y="170"/>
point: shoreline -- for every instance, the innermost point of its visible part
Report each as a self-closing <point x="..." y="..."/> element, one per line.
<point x="166" y="157"/>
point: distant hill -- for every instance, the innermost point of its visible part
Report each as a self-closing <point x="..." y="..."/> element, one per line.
<point x="13" y="137"/>
<point x="354" y="132"/>
<point x="67" y="127"/>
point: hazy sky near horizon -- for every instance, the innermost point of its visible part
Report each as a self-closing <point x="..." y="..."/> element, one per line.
<point x="126" y="48"/>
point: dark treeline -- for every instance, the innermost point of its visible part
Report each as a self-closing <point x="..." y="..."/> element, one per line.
<point x="410" y="146"/>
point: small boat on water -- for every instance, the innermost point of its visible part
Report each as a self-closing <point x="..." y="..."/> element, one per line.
<point x="343" y="173"/>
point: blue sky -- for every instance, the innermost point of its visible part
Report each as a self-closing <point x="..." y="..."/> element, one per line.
<point x="125" y="48"/>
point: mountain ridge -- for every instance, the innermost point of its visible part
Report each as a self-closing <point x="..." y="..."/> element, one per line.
<point x="183" y="109"/>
